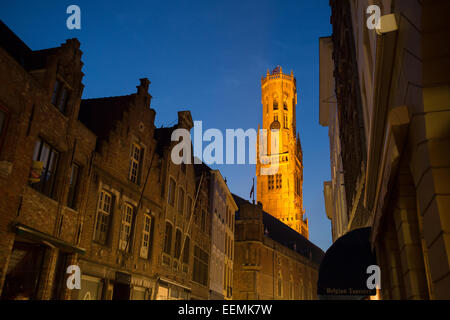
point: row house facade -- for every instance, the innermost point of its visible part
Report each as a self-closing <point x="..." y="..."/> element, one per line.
<point x="91" y="183"/>
<point x="334" y="190"/>
<point x="121" y="205"/>
<point x="147" y="236"/>
<point x="185" y="258"/>
<point x="45" y="159"/>
<point x="390" y="89"/>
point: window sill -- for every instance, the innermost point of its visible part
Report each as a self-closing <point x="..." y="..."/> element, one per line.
<point x="102" y="245"/>
<point x="166" y="260"/>
<point x="137" y="183"/>
<point x="42" y="194"/>
<point x="63" y="114"/>
<point x="145" y="259"/>
<point x="72" y="209"/>
<point x="199" y="284"/>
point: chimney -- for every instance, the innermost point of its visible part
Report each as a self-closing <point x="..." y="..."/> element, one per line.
<point x="143" y="87"/>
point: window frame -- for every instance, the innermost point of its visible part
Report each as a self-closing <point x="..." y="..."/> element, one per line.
<point x="41" y="186"/>
<point x="182" y="164"/>
<point x="126" y="227"/>
<point x="55" y="94"/>
<point x="135" y="178"/>
<point x="101" y="212"/>
<point x="171" y="193"/>
<point x="58" y="100"/>
<point x="72" y="197"/>
<point x="270" y="182"/>
<point x="189" y="206"/>
<point x="167" y="248"/>
<point x="280" y="285"/>
<point x="181" y="200"/>
<point x="63" y="99"/>
<point x="201" y="266"/>
<point x="178" y="243"/>
<point x="275" y="104"/>
<point x="145" y="248"/>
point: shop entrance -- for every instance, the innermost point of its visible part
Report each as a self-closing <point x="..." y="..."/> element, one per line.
<point x="24" y="272"/>
<point x="121" y="291"/>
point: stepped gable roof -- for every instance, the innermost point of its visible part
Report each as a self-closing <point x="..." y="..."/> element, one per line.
<point x="283" y="234"/>
<point x="100" y="115"/>
<point x="163" y="137"/>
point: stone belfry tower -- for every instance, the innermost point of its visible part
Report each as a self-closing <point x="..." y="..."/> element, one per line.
<point x="281" y="193"/>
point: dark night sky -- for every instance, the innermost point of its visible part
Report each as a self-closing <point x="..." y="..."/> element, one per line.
<point x="204" y="56"/>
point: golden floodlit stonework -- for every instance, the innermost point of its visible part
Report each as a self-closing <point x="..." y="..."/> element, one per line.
<point x="281" y="193"/>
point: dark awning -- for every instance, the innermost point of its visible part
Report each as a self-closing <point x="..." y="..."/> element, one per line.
<point x="36" y="235"/>
<point x="343" y="271"/>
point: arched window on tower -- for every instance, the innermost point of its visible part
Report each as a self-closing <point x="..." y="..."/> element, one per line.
<point x="275" y="104"/>
<point x="278" y="181"/>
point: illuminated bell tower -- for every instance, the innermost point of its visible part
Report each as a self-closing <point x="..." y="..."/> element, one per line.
<point x="281" y="193"/>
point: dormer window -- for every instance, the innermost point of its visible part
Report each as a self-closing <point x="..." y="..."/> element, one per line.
<point x="60" y="96"/>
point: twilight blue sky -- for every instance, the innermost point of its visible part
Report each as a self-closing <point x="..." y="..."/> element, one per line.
<point x="205" y="56"/>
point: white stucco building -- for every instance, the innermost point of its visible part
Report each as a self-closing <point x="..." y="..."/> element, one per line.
<point x="223" y="209"/>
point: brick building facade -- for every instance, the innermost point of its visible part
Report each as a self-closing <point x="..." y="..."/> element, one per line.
<point x="185" y="255"/>
<point x="147" y="225"/>
<point x="40" y="219"/>
<point x="91" y="183"/>
<point x="121" y="205"/>
<point x="271" y="260"/>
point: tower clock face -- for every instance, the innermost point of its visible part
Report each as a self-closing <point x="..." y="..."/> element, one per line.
<point x="275" y="125"/>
